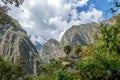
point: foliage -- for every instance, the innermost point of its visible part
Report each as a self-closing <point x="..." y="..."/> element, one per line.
<point x="77" y="49"/>
<point x="50" y="69"/>
<point x="56" y="71"/>
<point x="102" y="61"/>
<point x="17" y="3"/>
<point x="6" y="20"/>
<point x="67" y="49"/>
<point x="30" y="77"/>
<point x="99" y="66"/>
<point x="116" y="6"/>
<point x="4" y="8"/>
<point x="111" y="38"/>
<point x="10" y="71"/>
<point x="65" y="75"/>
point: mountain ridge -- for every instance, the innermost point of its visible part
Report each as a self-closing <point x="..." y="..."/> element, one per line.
<point x="76" y="35"/>
<point x="49" y="50"/>
<point x="15" y="43"/>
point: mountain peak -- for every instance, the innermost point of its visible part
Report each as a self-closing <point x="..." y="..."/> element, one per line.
<point x="15" y="43"/>
<point x="48" y="50"/>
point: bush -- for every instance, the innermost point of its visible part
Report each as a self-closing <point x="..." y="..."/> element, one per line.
<point x="77" y="49"/>
<point x="10" y="71"/>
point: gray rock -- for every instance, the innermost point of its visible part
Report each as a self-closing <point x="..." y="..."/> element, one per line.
<point x="15" y="43"/>
<point x="76" y="35"/>
<point x="49" y="50"/>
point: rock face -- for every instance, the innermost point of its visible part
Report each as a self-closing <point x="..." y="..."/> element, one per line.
<point x="14" y="43"/>
<point x="76" y="35"/>
<point x="49" y="50"/>
<point x="81" y="35"/>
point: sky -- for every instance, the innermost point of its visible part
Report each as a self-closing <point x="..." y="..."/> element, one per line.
<point x="46" y="19"/>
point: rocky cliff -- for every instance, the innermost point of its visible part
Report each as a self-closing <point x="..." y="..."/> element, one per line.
<point x="76" y="35"/>
<point x="14" y="43"/>
<point x="49" y="50"/>
<point x="81" y="35"/>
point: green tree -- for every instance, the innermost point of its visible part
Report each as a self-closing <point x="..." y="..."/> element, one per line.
<point x="67" y="49"/>
<point x="77" y="49"/>
<point x="4" y="8"/>
<point x="97" y="66"/>
<point x="66" y="75"/>
<point x="115" y="7"/>
<point x="102" y="62"/>
<point x="111" y="36"/>
<point x="44" y="68"/>
<point x="30" y="77"/>
<point x="49" y="71"/>
<point x="10" y="71"/>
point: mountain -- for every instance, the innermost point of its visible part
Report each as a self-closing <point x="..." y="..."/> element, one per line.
<point x="76" y="35"/>
<point x="14" y="42"/>
<point x="79" y="35"/>
<point x="49" y="50"/>
<point x="38" y="46"/>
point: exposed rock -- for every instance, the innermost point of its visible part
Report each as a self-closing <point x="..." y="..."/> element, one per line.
<point x="49" y="50"/>
<point x="76" y="35"/>
<point x="82" y="35"/>
<point x="14" y="42"/>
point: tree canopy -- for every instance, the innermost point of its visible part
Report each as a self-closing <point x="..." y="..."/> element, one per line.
<point x="4" y="8"/>
<point x="11" y="71"/>
<point x="67" y="49"/>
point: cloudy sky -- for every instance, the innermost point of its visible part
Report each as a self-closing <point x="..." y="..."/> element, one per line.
<point x="46" y="19"/>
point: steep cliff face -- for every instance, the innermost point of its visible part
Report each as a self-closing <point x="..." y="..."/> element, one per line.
<point x="76" y="35"/>
<point x="14" y="43"/>
<point x="81" y="35"/>
<point x="49" y="50"/>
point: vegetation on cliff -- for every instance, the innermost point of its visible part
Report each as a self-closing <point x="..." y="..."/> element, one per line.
<point x="101" y="60"/>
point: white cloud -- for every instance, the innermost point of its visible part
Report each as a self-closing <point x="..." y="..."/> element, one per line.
<point x="50" y="18"/>
<point x="92" y="15"/>
<point x="80" y="3"/>
<point x="54" y="3"/>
